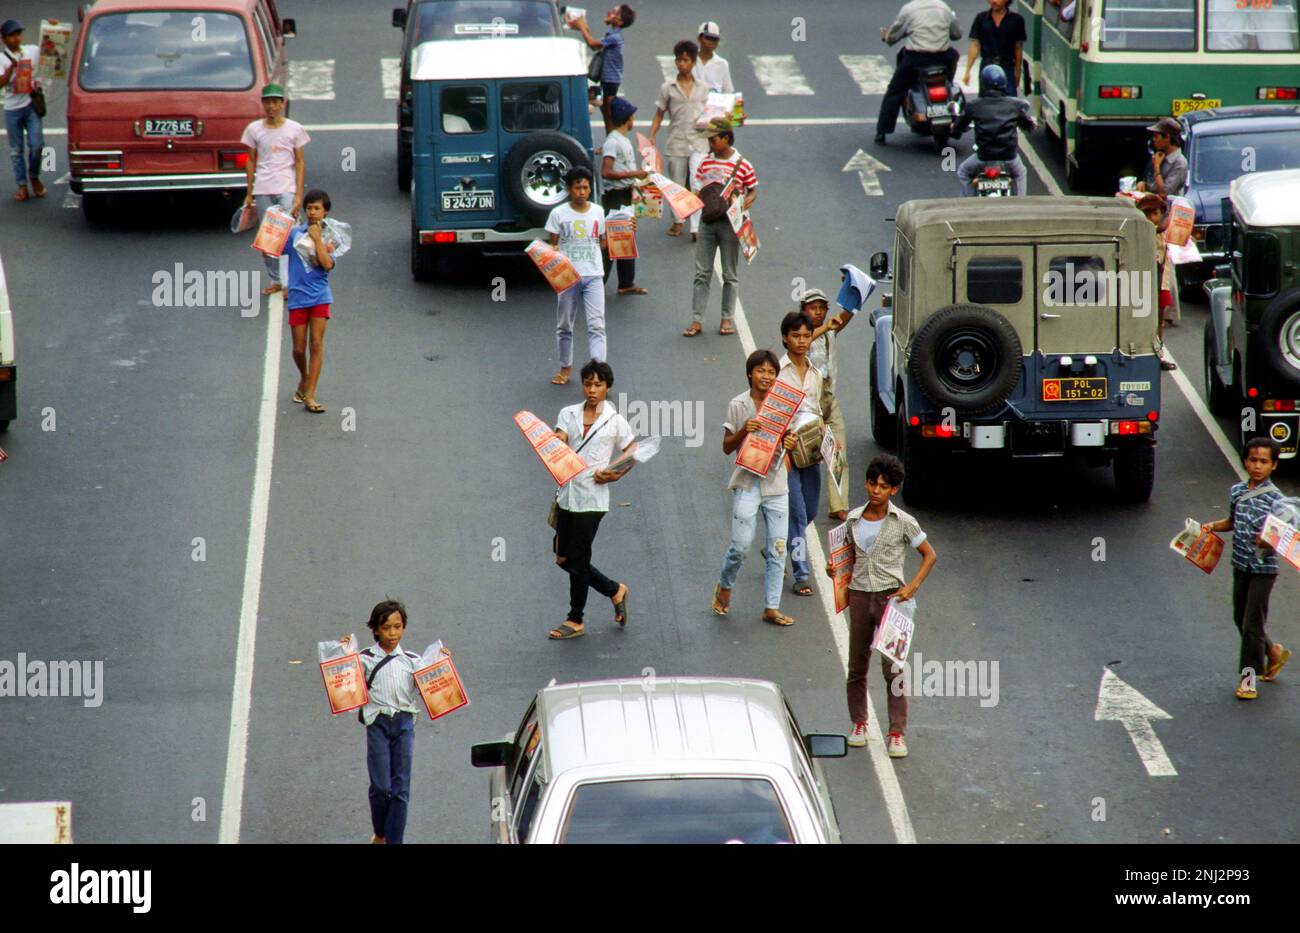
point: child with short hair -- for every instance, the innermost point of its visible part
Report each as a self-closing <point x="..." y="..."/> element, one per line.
<point x="881" y="534"/>
<point x="619" y="171"/>
<point x="751" y="494"/>
<point x="577" y="229"/>
<point x="309" y="297"/>
<point x="1254" y="564"/>
<point x="611" y="72"/>
<point x="389" y="718"/>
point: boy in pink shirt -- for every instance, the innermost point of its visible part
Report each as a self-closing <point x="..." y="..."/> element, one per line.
<point x="275" y="166"/>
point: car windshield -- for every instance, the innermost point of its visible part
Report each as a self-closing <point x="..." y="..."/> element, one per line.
<point x="471" y="19"/>
<point x="677" y="810"/>
<point x="166" y="50"/>
<point x="1217" y="160"/>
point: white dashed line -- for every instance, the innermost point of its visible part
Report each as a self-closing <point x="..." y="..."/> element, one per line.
<point x="391" y="71"/>
<point x="779" y="75"/>
<point x="667" y="66"/>
<point x="312" y="79"/>
<point x="871" y="73"/>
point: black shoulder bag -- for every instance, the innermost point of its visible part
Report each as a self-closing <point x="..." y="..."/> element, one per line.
<point x="370" y="681"/>
<point x="715" y="205"/>
<point x="553" y="516"/>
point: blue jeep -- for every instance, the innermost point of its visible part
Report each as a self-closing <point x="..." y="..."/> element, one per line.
<point x="1018" y="327"/>
<point x="497" y="123"/>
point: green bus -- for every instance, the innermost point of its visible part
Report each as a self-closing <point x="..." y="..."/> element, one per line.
<point x="1106" y="69"/>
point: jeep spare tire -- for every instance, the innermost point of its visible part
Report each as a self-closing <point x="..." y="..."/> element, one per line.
<point x="966" y="357"/>
<point x="1279" y="329"/>
<point x="534" y="169"/>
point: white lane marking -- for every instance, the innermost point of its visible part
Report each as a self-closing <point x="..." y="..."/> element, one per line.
<point x="779" y="75"/>
<point x="667" y="66"/>
<point x="63" y="179"/>
<point x="241" y="698"/>
<point x="867" y="168"/>
<point x="311" y="79"/>
<point x="890" y="789"/>
<point x="871" y="73"/>
<point x="1180" y="378"/>
<point x="1117" y="701"/>
<point x="973" y="89"/>
<point x="71" y="200"/>
<point x="391" y="70"/>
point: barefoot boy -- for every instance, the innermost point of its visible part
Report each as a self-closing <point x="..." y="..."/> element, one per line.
<point x="309" y="297"/>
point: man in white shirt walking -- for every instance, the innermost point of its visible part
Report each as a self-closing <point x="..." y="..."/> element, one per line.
<point x="22" y="122"/>
<point x="710" y="68"/>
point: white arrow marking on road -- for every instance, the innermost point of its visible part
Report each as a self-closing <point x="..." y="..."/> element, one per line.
<point x="867" y="167"/>
<point x="1117" y="700"/>
<point x="63" y="179"/>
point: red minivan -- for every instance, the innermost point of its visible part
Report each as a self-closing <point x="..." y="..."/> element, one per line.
<point x="160" y="92"/>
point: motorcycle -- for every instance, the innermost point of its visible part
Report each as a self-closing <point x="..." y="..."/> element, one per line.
<point x="933" y="104"/>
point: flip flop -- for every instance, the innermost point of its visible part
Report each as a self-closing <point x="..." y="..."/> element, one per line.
<point x="801" y="588"/>
<point x="21" y="194"/>
<point x="635" y="290"/>
<point x="727" y="330"/>
<point x="299" y="397"/>
<point x="675" y="230"/>
<point x="566" y="631"/>
<point x="313" y="406"/>
<point x="561" y="378"/>
<point x="620" y="608"/>
<point x="779" y="619"/>
<point x="716" y="605"/>
<point x="37" y="188"/>
<point x="692" y="331"/>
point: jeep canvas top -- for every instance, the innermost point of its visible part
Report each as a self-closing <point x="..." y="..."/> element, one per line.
<point x="497" y="124"/>
<point x="1025" y="326"/>
<point x="1252" y="339"/>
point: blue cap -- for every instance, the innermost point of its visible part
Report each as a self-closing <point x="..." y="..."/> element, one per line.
<point x="10" y="26"/>
<point x="620" y="108"/>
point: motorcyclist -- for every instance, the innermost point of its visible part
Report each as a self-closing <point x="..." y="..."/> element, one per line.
<point x="928" y="26"/>
<point x="996" y="117"/>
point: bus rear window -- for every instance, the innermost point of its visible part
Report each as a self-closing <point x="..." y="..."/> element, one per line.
<point x="1149" y="25"/>
<point x="1252" y="26"/>
<point x="158" y="50"/>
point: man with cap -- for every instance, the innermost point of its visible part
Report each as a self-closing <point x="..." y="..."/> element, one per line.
<point x="727" y="168"/>
<point x="927" y="26"/>
<point x="1166" y="171"/>
<point x="275" y="166"/>
<point x="712" y="69"/>
<point x="619" y="172"/>
<point x="22" y="123"/>
<point x="821" y="355"/>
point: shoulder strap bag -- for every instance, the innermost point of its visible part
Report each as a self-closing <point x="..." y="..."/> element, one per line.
<point x="553" y="515"/>
<point x="715" y="205"/>
<point x="374" y="671"/>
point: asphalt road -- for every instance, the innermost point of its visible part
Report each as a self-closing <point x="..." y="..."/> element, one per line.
<point x="154" y="442"/>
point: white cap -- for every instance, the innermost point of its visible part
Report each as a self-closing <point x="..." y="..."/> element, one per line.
<point x="710" y="29"/>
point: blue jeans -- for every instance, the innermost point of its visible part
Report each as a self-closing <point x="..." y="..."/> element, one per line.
<point x="590" y="291"/>
<point x="20" y="123"/>
<point x="805" y="490"/>
<point x="745" y="506"/>
<point x="389" y="743"/>
<point x="263" y="203"/>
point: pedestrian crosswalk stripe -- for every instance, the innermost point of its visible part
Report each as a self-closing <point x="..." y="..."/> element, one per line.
<point x="391" y="69"/>
<point x="311" y="79"/>
<point x="779" y="75"/>
<point x="871" y="73"/>
<point x="971" y="89"/>
<point x="668" y="65"/>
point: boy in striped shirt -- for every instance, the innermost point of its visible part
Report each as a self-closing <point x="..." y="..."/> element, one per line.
<point x="727" y="167"/>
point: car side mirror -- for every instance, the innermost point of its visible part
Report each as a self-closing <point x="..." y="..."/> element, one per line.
<point x="490" y="754"/>
<point x="879" y="265"/>
<point x="81" y="12"/>
<point x="823" y="745"/>
<point x="399" y="18"/>
<point x="288" y="28"/>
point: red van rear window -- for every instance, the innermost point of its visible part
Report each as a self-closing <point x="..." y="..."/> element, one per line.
<point x="166" y="50"/>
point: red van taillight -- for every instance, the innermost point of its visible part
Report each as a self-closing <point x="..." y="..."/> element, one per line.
<point x="96" y="162"/>
<point x="230" y="159"/>
<point x="437" y="236"/>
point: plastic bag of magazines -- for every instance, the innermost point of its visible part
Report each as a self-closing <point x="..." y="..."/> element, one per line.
<point x="345" y="679"/>
<point x="336" y="235"/>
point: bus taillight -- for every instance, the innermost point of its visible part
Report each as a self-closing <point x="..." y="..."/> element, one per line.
<point x="1276" y="93"/>
<point x="1120" y="92"/>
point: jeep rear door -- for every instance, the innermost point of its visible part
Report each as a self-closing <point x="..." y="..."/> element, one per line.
<point x="998" y="276"/>
<point x="1079" y="296"/>
<point x="465" y="160"/>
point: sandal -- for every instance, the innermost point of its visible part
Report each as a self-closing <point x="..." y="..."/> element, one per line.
<point x="675" y="230"/>
<point x="562" y="377"/>
<point x="299" y="397"/>
<point x="779" y="619"/>
<point x="620" y="606"/>
<point x="21" y="194"/>
<point x="727" y="329"/>
<point x="271" y="290"/>
<point x="313" y="406"/>
<point x="718" y="606"/>
<point x="38" y="189"/>
<point x="634" y="290"/>
<point x="565" y="630"/>
<point x="801" y="588"/>
<point x="692" y="331"/>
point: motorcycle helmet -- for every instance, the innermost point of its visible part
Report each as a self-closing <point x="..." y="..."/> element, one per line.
<point x="992" y="76"/>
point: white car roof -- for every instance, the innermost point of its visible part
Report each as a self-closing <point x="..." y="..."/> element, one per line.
<point x="483" y="59"/>
<point x="1268" y="199"/>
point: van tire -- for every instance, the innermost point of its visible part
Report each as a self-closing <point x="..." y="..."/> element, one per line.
<point x="1282" y="314"/>
<point x="4" y="426"/>
<point x="403" y="166"/>
<point x="884" y="426"/>
<point x="424" y="261"/>
<point x="1135" y="472"/>
<point x="560" y="151"/>
<point x="1218" y="397"/>
<point x="96" y="207"/>
<point x="986" y="332"/>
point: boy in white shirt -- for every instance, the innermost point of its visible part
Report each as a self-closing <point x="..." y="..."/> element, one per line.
<point x="710" y="67"/>
<point x="618" y="169"/>
<point x="577" y="229"/>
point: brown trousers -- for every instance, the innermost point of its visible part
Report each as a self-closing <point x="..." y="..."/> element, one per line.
<point x="864" y="617"/>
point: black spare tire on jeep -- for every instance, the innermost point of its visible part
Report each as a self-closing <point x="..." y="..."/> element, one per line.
<point x="966" y="357"/>
<point x="1279" y="329"/>
<point x="534" y="169"/>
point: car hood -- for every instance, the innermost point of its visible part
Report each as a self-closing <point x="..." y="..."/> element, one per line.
<point x="1208" y="201"/>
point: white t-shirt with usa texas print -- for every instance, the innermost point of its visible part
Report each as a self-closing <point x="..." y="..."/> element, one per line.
<point x="580" y="236"/>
